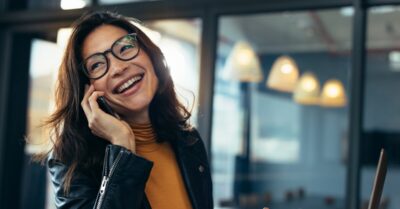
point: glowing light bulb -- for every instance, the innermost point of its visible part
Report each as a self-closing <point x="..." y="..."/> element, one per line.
<point x="283" y="74"/>
<point x="242" y="64"/>
<point x="309" y="84"/>
<point x="307" y="90"/>
<point x="333" y="94"/>
<point x="332" y="91"/>
<point x="245" y="57"/>
<point x="287" y="68"/>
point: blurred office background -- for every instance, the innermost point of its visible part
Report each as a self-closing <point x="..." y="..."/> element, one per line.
<point x="293" y="98"/>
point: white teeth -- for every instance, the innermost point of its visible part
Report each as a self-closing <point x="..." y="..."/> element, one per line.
<point x="128" y="83"/>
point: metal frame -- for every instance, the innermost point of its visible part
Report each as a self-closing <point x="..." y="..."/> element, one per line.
<point x="173" y="9"/>
<point x="209" y="11"/>
<point x="357" y="88"/>
<point x="207" y="63"/>
<point x="15" y="102"/>
<point x="370" y="3"/>
<point x="4" y="90"/>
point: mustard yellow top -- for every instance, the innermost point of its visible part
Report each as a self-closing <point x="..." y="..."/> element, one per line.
<point x="165" y="187"/>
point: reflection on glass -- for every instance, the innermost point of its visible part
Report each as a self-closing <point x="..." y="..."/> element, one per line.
<point x="268" y="149"/>
<point x="179" y="40"/>
<point x="44" y="61"/>
<point x="381" y="125"/>
<point x="42" y="79"/>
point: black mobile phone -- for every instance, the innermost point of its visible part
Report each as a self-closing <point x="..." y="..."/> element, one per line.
<point x="106" y="107"/>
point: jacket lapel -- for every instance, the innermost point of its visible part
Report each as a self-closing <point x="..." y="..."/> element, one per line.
<point x="191" y="166"/>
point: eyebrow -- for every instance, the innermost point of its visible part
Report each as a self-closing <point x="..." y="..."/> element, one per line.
<point x="99" y="52"/>
<point x="109" y="48"/>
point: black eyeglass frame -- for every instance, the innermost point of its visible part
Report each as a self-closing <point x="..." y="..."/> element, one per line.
<point x="104" y="54"/>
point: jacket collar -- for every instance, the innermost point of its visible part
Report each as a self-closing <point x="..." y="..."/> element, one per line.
<point x="185" y="156"/>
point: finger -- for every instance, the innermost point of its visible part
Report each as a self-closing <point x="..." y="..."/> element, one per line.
<point x="93" y="100"/>
<point x="88" y="90"/>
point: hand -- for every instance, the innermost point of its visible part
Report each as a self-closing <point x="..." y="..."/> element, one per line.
<point x="103" y="125"/>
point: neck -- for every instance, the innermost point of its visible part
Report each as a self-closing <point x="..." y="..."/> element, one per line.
<point x="144" y="133"/>
<point x="138" y="118"/>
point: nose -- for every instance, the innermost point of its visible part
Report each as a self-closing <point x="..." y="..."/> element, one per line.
<point x="117" y="66"/>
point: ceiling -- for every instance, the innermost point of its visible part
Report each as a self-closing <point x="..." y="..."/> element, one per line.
<point x="304" y="31"/>
<point x="307" y="31"/>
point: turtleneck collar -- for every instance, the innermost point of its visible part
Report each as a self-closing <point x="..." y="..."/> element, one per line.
<point x="144" y="133"/>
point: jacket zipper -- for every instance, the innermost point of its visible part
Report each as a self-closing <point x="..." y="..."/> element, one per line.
<point x="106" y="178"/>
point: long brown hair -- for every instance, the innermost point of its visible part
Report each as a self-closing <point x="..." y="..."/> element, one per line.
<point x="73" y="142"/>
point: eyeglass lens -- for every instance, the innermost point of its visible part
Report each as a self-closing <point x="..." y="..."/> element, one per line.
<point x="124" y="49"/>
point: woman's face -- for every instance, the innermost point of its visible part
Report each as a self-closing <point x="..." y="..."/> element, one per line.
<point x="129" y="86"/>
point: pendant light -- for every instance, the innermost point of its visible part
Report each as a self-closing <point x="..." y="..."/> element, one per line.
<point x="243" y="64"/>
<point x="283" y="75"/>
<point x="333" y="94"/>
<point x="307" y="90"/>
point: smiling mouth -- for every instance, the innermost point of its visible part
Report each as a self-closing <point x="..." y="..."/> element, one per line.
<point x="128" y="84"/>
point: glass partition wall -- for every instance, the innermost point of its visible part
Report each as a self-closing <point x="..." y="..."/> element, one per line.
<point x="381" y="125"/>
<point x="280" y="116"/>
<point x="279" y="102"/>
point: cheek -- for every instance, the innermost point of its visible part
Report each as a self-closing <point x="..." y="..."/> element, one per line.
<point x="154" y="83"/>
<point x="99" y="85"/>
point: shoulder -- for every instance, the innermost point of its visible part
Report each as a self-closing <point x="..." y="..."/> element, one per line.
<point x="191" y="136"/>
<point x="59" y="170"/>
<point x="55" y="165"/>
<point x="193" y="144"/>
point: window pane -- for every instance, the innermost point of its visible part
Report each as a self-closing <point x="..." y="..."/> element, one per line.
<point x="42" y="79"/>
<point x="41" y="104"/>
<point x="382" y="114"/>
<point x="280" y="117"/>
<point x="179" y="40"/>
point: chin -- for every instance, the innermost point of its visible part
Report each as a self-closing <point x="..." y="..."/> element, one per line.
<point x="135" y="108"/>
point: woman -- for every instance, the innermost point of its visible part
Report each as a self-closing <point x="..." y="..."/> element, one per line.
<point x="146" y="157"/>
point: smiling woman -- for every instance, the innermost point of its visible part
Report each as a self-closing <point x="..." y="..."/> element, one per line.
<point x="127" y="78"/>
<point x="150" y="157"/>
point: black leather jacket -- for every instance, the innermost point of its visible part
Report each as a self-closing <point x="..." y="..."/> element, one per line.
<point x="125" y="175"/>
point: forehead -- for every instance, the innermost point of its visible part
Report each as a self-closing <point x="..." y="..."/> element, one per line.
<point x="101" y="39"/>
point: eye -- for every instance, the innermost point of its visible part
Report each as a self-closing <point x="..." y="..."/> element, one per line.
<point x="96" y="66"/>
<point x="126" y="47"/>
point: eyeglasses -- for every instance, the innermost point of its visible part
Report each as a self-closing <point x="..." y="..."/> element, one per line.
<point x="125" y="48"/>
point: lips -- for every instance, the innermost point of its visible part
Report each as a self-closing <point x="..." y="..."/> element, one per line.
<point x="127" y="84"/>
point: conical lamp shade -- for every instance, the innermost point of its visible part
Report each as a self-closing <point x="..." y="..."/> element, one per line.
<point x="283" y="75"/>
<point x="307" y="90"/>
<point x="333" y="94"/>
<point x="243" y="64"/>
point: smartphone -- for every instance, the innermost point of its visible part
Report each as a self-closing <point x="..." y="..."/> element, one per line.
<point x="106" y="107"/>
